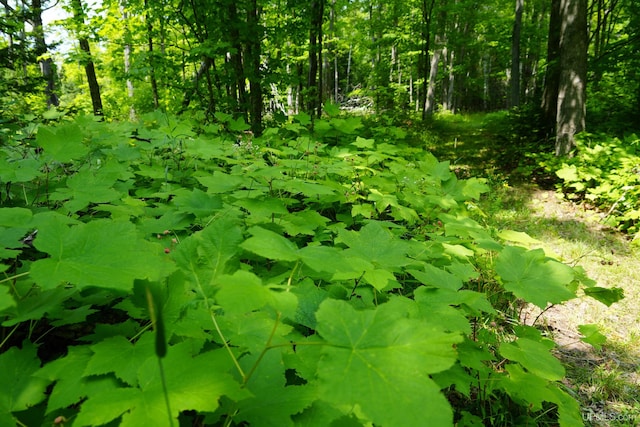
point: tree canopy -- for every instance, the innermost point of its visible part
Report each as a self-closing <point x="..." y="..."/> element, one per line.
<point x="263" y="59"/>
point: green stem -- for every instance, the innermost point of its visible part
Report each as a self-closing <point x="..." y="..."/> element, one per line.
<point x="216" y="326"/>
<point x="17" y="276"/>
<point x="8" y="336"/>
<point x="266" y="348"/>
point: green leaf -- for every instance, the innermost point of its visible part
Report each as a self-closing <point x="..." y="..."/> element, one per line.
<point x="14" y="217"/>
<point x="270" y="245"/>
<point x="272" y="403"/>
<point x="242" y="292"/>
<point x="527" y="388"/>
<point x="6" y="299"/>
<point x="21" y="170"/>
<point x="197" y="202"/>
<point x="535" y="278"/>
<point x="209" y="253"/>
<point x="102" y="253"/>
<point x="87" y="187"/>
<point x="332" y="109"/>
<point x="36" y="305"/>
<point x="63" y="143"/>
<point x="517" y="237"/>
<point x="436" y="277"/>
<point x="605" y="295"/>
<point x="363" y="143"/>
<point x="238" y="125"/>
<point x="387" y="251"/>
<point x="349" y="125"/>
<point x="71" y="386"/>
<point x="380" y="361"/>
<point x="193" y="383"/>
<point x="220" y="182"/>
<point x="19" y="389"/>
<point x="591" y="335"/>
<point x="535" y="357"/>
<point x="119" y="356"/>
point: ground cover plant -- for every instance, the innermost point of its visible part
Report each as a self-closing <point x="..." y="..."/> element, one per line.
<point x="605" y="172"/>
<point x="604" y="376"/>
<point x="326" y="273"/>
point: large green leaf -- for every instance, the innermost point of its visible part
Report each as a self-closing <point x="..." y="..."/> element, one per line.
<point x="63" y="143"/>
<point x="376" y="245"/>
<point x="272" y="402"/>
<point x="532" y="276"/>
<point x="208" y="253"/>
<point x="102" y="253"/>
<point x="71" y="386"/>
<point x="87" y="187"/>
<point x="192" y="382"/>
<point x="270" y="245"/>
<point x="380" y="361"/>
<point x="535" y="357"/>
<point x="19" y="389"/>
<point x="118" y="355"/>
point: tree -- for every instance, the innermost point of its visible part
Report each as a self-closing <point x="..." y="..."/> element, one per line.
<point x="31" y="15"/>
<point x="572" y="73"/>
<point x="515" y="54"/>
<point x="87" y="59"/>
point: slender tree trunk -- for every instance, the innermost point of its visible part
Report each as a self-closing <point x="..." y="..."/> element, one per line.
<point x="552" y="74"/>
<point x="87" y="61"/>
<point x="314" y="82"/>
<point x="205" y="64"/>
<point x="253" y="68"/>
<point x="452" y="78"/>
<point x="152" y="66"/>
<point x="515" y="55"/>
<point x="424" y="62"/>
<point x="238" y="84"/>
<point x="429" y="105"/>
<point x="127" y="60"/>
<point x="45" y="61"/>
<point x="573" y="75"/>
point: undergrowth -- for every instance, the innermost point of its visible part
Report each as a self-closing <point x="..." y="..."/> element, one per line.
<point x="169" y="273"/>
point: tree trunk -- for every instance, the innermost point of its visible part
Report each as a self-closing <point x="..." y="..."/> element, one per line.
<point x="423" y="64"/>
<point x="127" y="60"/>
<point x="152" y="69"/>
<point x="552" y="75"/>
<point x="45" y="61"/>
<point x="314" y="82"/>
<point x="238" y="84"/>
<point x="573" y="75"/>
<point x="515" y="55"/>
<point x="87" y="61"/>
<point x="253" y="68"/>
<point x="429" y="105"/>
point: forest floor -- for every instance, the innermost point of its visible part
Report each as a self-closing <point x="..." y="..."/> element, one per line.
<point x="605" y="380"/>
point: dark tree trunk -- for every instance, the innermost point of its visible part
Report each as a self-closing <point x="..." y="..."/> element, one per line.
<point x="152" y="69"/>
<point x="573" y="74"/>
<point x="515" y="55"/>
<point x="314" y="81"/>
<point x="87" y="61"/>
<point x="552" y="75"/>
<point x="46" y="63"/>
<point x="253" y="67"/>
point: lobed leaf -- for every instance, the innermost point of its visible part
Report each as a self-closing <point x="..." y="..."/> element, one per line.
<point x="380" y="361"/>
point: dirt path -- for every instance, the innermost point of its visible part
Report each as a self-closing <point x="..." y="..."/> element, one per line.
<point x="606" y="381"/>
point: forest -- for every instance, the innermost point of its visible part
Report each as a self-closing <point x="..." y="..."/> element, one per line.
<point x="319" y="212"/>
